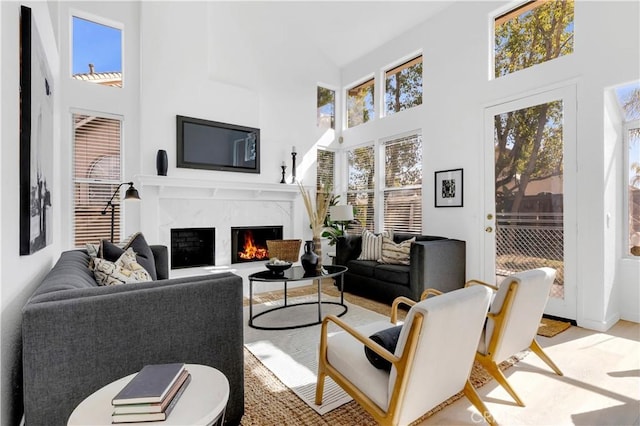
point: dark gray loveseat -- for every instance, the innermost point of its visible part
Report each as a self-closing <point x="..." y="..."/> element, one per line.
<point x="436" y="262"/>
<point x="78" y="337"/>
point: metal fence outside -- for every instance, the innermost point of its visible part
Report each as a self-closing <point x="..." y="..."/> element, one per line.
<point x="530" y="240"/>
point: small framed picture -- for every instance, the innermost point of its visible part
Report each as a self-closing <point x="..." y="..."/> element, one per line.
<point x="448" y="188"/>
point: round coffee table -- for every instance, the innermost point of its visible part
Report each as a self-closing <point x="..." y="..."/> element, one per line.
<point x="203" y="402"/>
<point x="297" y="273"/>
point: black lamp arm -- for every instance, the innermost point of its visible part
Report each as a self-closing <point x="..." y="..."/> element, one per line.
<point x="109" y="203"/>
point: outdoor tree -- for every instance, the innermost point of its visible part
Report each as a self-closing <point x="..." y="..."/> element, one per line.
<point x="529" y="141"/>
<point x="404" y="88"/>
<point x="361" y="184"/>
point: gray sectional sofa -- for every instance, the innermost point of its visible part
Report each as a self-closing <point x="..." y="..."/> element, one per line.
<point x="78" y="337"/>
<point x="435" y="262"/>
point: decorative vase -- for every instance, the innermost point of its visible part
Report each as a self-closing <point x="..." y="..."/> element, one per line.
<point x="162" y="162"/>
<point x="317" y="249"/>
<point x="309" y="259"/>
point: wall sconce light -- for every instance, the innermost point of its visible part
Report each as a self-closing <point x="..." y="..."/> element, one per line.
<point x="131" y="194"/>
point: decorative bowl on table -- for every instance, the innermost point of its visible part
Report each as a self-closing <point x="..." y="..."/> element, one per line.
<point x="278" y="266"/>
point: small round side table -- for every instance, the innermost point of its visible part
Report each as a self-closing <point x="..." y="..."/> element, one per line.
<point x="203" y="402"/>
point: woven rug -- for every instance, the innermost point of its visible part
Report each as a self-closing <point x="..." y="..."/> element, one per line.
<point x="269" y="402"/>
<point x="292" y="355"/>
<point x="550" y="327"/>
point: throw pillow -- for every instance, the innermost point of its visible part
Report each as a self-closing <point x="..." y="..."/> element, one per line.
<point x="396" y="253"/>
<point x="124" y="270"/>
<point x="372" y="244"/>
<point x="388" y="339"/>
<point x="92" y="250"/>
<point x="137" y="242"/>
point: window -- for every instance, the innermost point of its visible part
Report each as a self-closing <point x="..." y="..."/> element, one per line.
<point x="403" y="86"/>
<point x="629" y="101"/>
<point x="535" y="32"/>
<point x="361" y="184"/>
<point x="326" y="108"/>
<point x="325" y="172"/>
<point x="96" y="53"/>
<point x="403" y="184"/>
<point x="360" y="103"/>
<point x="96" y="175"/>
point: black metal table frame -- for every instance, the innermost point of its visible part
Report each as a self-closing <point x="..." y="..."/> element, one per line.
<point x="283" y="278"/>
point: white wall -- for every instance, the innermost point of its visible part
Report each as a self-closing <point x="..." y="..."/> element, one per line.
<point x="19" y="275"/>
<point x="221" y="61"/>
<point x="456" y="92"/>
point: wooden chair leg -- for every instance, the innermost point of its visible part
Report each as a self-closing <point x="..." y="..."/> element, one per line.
<point x="493" y="369"/>
<point x="537" y="349"/>
<point x="319" y="387"/>
<point x="473" y="396"/>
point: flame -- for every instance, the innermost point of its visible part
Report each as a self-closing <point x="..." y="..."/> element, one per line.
<point x="251" y="251"/>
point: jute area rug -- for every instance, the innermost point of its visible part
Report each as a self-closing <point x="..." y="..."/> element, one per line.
<point x="269" y="402"/>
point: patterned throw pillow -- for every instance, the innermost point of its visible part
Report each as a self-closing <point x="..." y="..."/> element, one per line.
<point x="125" y="270"/>
<point x="396" y="253"/>
<point x="137" y="242"/>
<point x="372" y="244"/>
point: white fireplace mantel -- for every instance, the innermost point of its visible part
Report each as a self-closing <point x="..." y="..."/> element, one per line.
<point x="182" y="187"/>
<point x="183" y="202"/>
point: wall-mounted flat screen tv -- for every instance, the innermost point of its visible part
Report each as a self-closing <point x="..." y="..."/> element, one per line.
<point x="211" y="145"/>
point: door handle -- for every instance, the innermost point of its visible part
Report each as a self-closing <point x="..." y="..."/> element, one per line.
<point x="488" y="229"/>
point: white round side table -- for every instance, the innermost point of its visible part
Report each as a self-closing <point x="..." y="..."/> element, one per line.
<point x="203" y="402"/>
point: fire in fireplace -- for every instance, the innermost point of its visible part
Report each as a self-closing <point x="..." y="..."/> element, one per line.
<point x="249" y="243"/>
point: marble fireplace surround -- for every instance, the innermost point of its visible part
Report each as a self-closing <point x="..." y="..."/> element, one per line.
<point x="176" y="202"/>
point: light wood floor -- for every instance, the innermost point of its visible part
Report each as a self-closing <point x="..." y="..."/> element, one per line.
<point x="600" y="386"/>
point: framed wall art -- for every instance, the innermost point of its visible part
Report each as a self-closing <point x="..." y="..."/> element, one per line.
<point x="448" y="188"/>
<point x="36" y="139"/>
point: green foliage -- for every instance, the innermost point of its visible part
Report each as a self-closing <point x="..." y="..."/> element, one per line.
<point x="534" y="37"/>
<point x="404" y="89"/>
<point x="529" y="147"/>
<point x="360" y="101"/>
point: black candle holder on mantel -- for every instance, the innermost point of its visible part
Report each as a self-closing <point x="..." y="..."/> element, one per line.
<point x="293" y="165"/>
<point x="284" y="168"/>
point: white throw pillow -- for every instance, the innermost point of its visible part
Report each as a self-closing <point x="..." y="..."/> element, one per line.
<point x="372" y="244"/>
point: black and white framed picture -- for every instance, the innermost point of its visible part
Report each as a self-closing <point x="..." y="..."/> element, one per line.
<point x="448" y="188"/>
<point x="36" y="139"/>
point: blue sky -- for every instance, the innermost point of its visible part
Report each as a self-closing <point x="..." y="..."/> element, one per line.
<point x="96" y="44"/>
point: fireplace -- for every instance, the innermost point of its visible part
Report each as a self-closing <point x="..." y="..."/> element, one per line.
<point x="191" y="247"/>
<point x="249" y="243"/>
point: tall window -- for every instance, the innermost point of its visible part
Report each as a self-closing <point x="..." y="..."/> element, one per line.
<point x="361" y="185"/>
<point x="403" y="184"/>
<point x="96" y="174"/>
<point x="96" y="53"/>
<point x="360" y="103"/>
<point x="629" y="101"/>
<point x="535" y="32"/>
<point x="403" y="86"/>
<point x="325" y="172"/>
<point x="326" y="108"/>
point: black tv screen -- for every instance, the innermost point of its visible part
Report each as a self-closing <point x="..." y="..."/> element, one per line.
<point x="204" y="144"/>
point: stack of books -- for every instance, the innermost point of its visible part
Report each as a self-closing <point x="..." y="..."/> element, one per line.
<point x="151" y="394"/>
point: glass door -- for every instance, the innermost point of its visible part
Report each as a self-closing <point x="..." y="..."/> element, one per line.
<point x="529" y="205"/>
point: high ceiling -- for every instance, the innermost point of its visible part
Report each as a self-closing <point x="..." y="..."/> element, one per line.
<point x="344" y="31"/>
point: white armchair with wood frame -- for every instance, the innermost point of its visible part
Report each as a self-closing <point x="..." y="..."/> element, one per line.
<point x="431" y="362"/>
<point x="513" y="321"/>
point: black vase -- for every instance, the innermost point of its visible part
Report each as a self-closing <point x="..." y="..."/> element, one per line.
<point x="162" y="162"/>
<point x="309" y="259"/>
